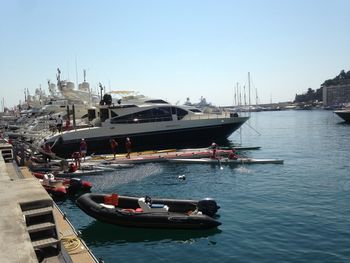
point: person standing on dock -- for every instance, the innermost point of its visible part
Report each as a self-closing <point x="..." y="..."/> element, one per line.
<point x="83" y="149"/>
<point x="114" y="146"/>
<point x="59" y="123"/>
<point x="128" y="147"/>
<point x="214" y="147"/>
<point x="67" y="124"/>
<point x="76" y="157"/>
<point x="48" y="150"/>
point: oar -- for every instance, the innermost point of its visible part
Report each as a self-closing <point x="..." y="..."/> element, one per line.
<point x="221" y="168"/>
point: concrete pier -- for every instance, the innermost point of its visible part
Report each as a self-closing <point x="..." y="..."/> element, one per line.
<point x="22" y="196"/>
<point x="15" y="242"/>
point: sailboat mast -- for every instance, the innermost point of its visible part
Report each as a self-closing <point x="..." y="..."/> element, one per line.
<point x="76" y="72"/>
<point x="245" y="97"/>
<point x="249" y="88"/>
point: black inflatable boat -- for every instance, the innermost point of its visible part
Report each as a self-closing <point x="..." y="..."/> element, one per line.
<point x="151" y="213"/>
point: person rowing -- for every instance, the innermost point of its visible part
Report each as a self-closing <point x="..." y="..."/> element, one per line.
<point x="233" y="155"/>
<point x="214" y="147"/>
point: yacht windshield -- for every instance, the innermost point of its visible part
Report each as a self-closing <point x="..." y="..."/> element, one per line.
<point x="150" y="115"/>
<point x="157" y="101"/>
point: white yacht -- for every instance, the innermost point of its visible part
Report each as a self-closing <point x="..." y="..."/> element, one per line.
<point x="149" y="123"/>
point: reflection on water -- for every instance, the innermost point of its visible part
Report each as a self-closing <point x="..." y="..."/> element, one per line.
<point x="100" y="234"/>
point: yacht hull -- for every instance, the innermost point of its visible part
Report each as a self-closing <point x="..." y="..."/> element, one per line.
<point x="98" y="138"/>
<point x="344" y="114"/>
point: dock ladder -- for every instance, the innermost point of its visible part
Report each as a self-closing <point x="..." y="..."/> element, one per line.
<point x="42" y="229"/>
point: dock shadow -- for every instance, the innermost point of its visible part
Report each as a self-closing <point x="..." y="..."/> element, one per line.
<point x="100" y="233"/>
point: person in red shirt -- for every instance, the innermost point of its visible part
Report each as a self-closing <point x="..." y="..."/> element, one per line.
<point x="67" y="124"/>
<point x="214" y="146"/>
<point x="72" y="168"/>
<point x="76" y="156"/>
<point x="114" y="146"/>
<point x="83" y="149"/>
<point x="233" y="155"/>
<point x="128" y="147"/>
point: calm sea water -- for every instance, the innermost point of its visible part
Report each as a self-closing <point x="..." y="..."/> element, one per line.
<point x="295" y="212"/>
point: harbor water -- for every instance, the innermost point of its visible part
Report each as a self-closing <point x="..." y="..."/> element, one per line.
<point x="295" y="212"/>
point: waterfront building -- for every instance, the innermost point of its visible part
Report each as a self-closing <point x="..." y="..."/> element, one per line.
<point x="335" y="95"/>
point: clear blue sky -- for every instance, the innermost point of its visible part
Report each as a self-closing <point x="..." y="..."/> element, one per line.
<point x="175" y="49"/>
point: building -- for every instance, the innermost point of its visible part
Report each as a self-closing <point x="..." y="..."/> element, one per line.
<point x="336" y="95"/>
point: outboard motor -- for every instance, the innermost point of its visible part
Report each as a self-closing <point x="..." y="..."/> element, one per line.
<point x="208" y="206"/>
<point x="75" y="185"/>
<point x="75" y="181"/>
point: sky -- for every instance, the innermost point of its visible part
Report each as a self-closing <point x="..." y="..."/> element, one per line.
<point x="175" y="49"/>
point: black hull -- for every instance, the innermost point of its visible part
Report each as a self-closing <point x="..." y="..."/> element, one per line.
<point x="176" y="217"/>
<point x="345" y="115"/>
<point x="186" y="138"/>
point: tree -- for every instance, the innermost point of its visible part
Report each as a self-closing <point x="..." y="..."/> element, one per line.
<point x="342" y="78"/>
<point x="310" y="96"/>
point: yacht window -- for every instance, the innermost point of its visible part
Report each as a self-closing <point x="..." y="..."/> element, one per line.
<point x="181" y="113"/>
<point x="150" y="115"/>
<point x="123" y="106"/>
<point x="113" y="114"/>
<point x="162" y="112"/>
<point x="104" y="114"/>
<point x="195" y="110"/>
<point x="91" y="114"/>
<point x="156" y="101"/>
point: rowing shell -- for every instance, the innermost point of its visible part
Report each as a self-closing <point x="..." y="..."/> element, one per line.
<point x="227" y="161"/>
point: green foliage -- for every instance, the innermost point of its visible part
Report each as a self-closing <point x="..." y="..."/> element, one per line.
<point x="310" y="96"/>
<point x="341" y="79"/>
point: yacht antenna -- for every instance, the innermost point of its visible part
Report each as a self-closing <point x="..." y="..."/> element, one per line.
<point x="58" y="76"/>
<point x="101" y="89"/>
<point x="49" y="87"/>
<point x="84" y="74"/>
